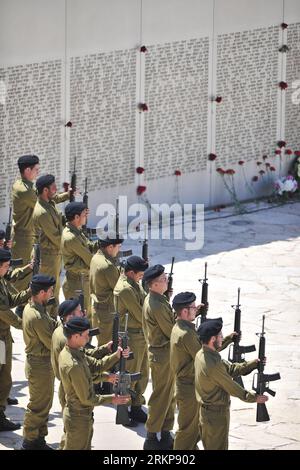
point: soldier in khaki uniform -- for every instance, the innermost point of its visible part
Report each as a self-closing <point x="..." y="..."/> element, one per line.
<point x="48" y="226"/>
<point x="104" y="274"/>
<point x="158" y="321"/>
<point x="99" y="359"/>
<point x="77" y="381"/>
<point x="129" y="297"/>
<point x="185" y="344"/>
<point x="7" y="318"/>
<point x="77" y="253"/>
<point x="214" y="385"/>
<point x="38" y="328"/>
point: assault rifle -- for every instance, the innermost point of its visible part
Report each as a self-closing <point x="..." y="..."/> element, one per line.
<point x="8" y="229"/>
<point x="122" y="387"/>
<point x="37" y="258"/>
<point x="126" y="253"/>
<point x="236" y="352"/>
<point x="260" y="380"/>
<point x="168" y="292"/>
<point x="145" y="245"/>
<point x="73" y="182"/>
<point x="204" y="296"/>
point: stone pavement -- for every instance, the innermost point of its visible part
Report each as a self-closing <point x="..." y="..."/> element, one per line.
<point x="258" y="252"/>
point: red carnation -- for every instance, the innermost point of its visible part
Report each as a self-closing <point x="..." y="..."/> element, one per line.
<point x="268" y="165"/>
<point x="143" y="49"/>
<point x="281" y="143"/>
<point x="278" y="152"/>
<point x="258" y="163"/>
<point x="140" y="190"/>
<point x="272" y="168"/>
<point x="241" y="162"/>
<point x="218" y="99"/>
<point x="284" y="25"/>
<point x="177" y="173"/>
<point x="212" y="157"/>
<point x="230" y="172"/>
<point x="283" y="85"/>
<point x="140" y="170"/>
<point x="66" y="186"/>
<point x="69" y="124"/>
<point x="265" y="157"/>
<point x="261" y="172"/>
<point x="254" y="178"/>
<point x="297" y="153"/>
<point x="289" y="152"/>
<point x="143" y="107"/>
<point x="221" y="171"/>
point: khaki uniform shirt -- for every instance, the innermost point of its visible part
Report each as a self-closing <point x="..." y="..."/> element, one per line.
<point x="48" y="226"/>
<point x="129" y="297"/>
<point x="104" y="275"/>
<point x="158" y="321"/>
<point x="77" y="381"/>
<point x="95" y="357"/>
<point x="38" y="328"/>
<point x="214" y="379"/>
<point x="7" y="301"/>
<point x="77" y="250"/>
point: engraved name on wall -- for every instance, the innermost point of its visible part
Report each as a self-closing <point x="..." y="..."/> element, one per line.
<point x="292" y="110"/>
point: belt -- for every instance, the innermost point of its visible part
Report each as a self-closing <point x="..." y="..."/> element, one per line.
<point x="135" y="330"/>
<point x="216" y="408"/>
<point x="77" y="275"/>
<point x="80" y="412"/>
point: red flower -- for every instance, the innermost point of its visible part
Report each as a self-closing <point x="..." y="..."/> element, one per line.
<point x="69" y="124"/>
<point x="265" y="157"/>
<point x="297" y="153"/>
<point x="230" y="172"/>
<point x="255" y="178"/>
<point x="278" y="152"/>
<point x="218" y="99"/>
<point x="283" y="85"/>
<point x="177" y="173"/>
<point x="143" y="107"/>
<point x="258" y="163"/>
<point x="140" y="170"/>
<point x="288" y="152"/>
<point x="268" y="165"/>
<point x="241" y="162"/>
<point x="66" y="187"/>
<point x="284" y="25"/>
<point x="143" y="49"/>
<point x="140" y="190"/>
<point x="281" y="143"/>
<point x="272" y="168"/>
<point x="284" y="48"/>
<point x="221" y="171"/>
<point x="212" y="157"/>
<point x="261" y="172"/>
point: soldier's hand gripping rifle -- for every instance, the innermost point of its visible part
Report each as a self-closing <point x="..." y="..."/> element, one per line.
<point x="236" y="352"/>
<point x="260" y="380"/>
<point x="204" y="296"/>
<point x="85" y="200"/>
<point x="122" y="386"/>
<point x="73" y="183"/>
<point x="169" y="290"/>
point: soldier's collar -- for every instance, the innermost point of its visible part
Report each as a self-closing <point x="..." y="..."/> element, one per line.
<point x="29" y="183"/>
<point x="187" y="323"/>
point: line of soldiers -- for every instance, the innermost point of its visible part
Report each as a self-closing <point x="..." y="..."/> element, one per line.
<point x="186" y="367"/>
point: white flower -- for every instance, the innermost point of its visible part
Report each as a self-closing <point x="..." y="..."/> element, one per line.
<point x="285" y="184"/>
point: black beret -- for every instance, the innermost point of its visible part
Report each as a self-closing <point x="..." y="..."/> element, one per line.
<point x="184" y="298"/>
<point x="42" y="281"/>
<point x="44" y="181"/>
<point x="76" y="325"/>
<point x="153" y="272"/>
<point x="5" y="255"/>
<point x="67" y="306"/>
<point x="210" y="327"/>
<point x="74" y="208"/>
<point x="28" y="160"/>
<point x="2" y="234"/>
<point x="111" y="238"/>
<point x="135" y="263"/>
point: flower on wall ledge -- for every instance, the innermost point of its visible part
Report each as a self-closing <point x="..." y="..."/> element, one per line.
<point x="140" y="190"/>
<point x="272" y="168"/>
<point x="212" y="157"/>
<point x="220" y="171"/>
<point x="281" y="143"/>
<point x="258" y="163"/>
<point x="241" y="162"/>
<point x="142" y="107"/>
<point x="69" y="124"/>
<point x="288" y="152"/>
<point x="265" y="157"/>
<point x="297" y="153"/>
<point x="218" y="99"/>
<point x="278" y="152"/>
<point x="283" y="85"/>
<point x="284" y="48"/>
<point x="177" y="173"/>
<point x="140" y="170"/>
<point x="230" y="172"/>
<point x="284" y="25"/>
<point x="255" y="178"/>
<point x="143" y="49"/>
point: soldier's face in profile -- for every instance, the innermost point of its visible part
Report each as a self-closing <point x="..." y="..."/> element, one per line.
<point x="52" y="190"/>
<point x="83" y="217"/>
<point x="192" y="309"/>
<point x="218" y="341"/>
<point x="83" y="338"/>
<point x="115" y="250"/>
<point x="4" y="267"/>
<point x="34" y="172"/>
<point x="78" y="312"/>
<point x="138" y="276"/>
